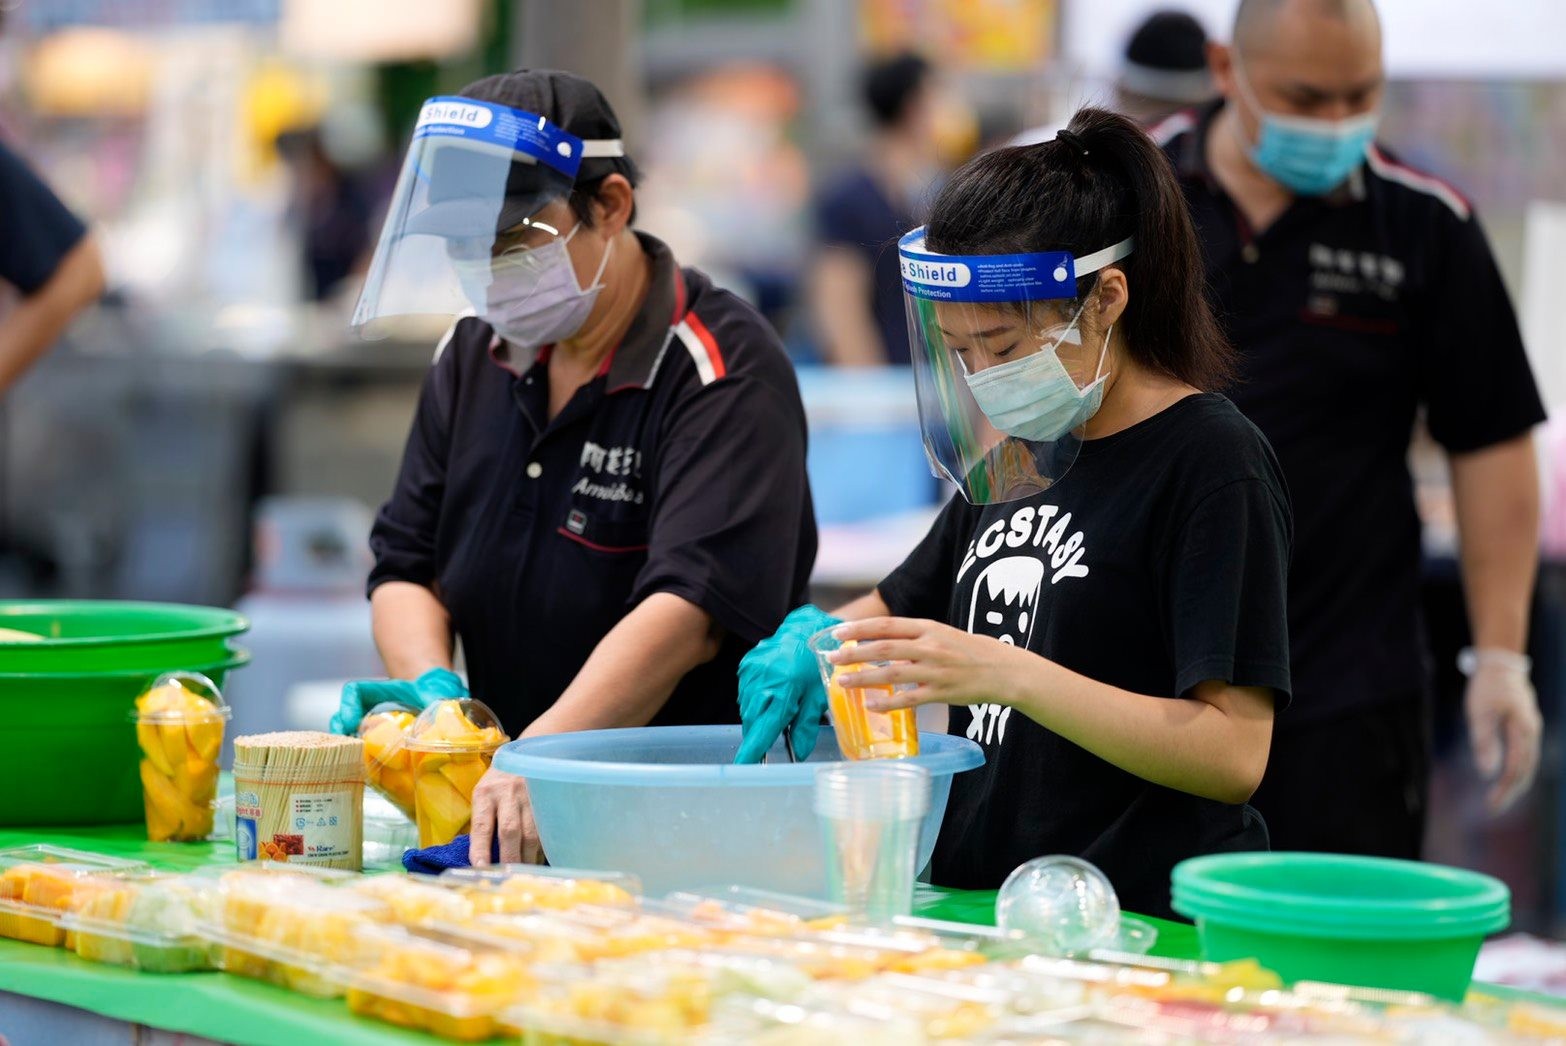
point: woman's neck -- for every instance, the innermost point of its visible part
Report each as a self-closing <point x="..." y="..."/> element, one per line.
<point x="1132" y="394"/>
<point x="626" y="278"/>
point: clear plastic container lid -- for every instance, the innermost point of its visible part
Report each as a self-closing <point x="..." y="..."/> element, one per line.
<point x="740" y="1021"/>
<point x="180" y="697"/>
<point x="290" y="931"/>
<point x="419" y="899"/>
<point x="516" y="888"/>
<point x="589" y="933"/>
<point x="447" y="973"/>
<point x="384" y="731"/>
<point x="43" y="882"/>
<point x="456" y="725"/>
<point x="645" y="1001"/>
<point x="144" y="921"/>
<point x="1063" y="904"/>
<point x="747" y="907"/>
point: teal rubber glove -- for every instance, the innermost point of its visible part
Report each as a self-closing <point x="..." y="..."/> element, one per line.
<point x="437" y="684"/>
<point x="780" y="686"/>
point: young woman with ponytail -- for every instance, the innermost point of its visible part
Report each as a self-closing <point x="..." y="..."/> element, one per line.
<point x="1104" y="608"/>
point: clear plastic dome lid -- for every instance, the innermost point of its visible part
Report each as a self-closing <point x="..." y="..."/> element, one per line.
<point x="384" y="731"/>
<point x="178" y="697"/>
<point x="456" y="725"/>
<point x="1065" y="904"/>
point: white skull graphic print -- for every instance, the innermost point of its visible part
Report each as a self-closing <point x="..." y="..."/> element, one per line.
<point x="1008" y="591"/>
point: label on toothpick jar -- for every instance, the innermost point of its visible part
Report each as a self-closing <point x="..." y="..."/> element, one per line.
<point x="317" y="830"/>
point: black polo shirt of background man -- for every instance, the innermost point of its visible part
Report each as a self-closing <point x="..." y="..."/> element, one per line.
<point x="1352" y="313"/>
<point x="680" y="468"/>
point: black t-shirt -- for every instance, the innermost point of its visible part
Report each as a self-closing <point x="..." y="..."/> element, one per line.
<point x="854" y="213"/>
<point x="1350" y="314"/>
<point x="1158" y="562"/>
<point x="36" y="231"/>
<point x="680" y="469"/>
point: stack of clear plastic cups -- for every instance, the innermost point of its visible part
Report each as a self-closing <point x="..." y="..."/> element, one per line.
<point x="871" y="814"/>
<point x="861" y="733"/>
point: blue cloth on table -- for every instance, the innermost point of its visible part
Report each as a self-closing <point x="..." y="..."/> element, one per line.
<point x="432" y="860"/>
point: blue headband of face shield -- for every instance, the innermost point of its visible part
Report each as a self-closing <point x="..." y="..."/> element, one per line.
<point x="452" y="116"/>
<point x="997" y="277"/>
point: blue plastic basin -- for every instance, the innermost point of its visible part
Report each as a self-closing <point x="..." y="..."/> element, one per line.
<point x="668" y="804"/>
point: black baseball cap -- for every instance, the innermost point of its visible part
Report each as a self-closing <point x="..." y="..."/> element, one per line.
<point x="1166" y="58"/>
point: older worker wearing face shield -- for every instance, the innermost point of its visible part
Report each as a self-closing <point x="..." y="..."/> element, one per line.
<point x="603" y="494"/>
<point x="1360" y="292"/>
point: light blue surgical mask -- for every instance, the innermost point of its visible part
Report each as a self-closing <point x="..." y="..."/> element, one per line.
<point x="1035" y="398"/>
<point x="1308" y="156"/>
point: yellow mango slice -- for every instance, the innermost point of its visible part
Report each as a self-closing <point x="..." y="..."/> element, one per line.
<point x="464" y="772"/>
<point x="170" y="815"/>
<point x="172" y="735"/>
<point x="151" y="742"/>
<point x="206" y="737"/>
<point x="441" y="811"/>
<point x="451" y="725"/>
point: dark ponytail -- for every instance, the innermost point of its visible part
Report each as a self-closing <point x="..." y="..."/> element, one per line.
<point x="1100" y="181"/>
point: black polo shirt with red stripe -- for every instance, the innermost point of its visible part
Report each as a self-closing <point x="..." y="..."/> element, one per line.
<point x="680" y="468"/>
<point x="1352" y="313"/>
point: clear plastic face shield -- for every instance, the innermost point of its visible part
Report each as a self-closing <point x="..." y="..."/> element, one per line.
<point x="473" y="226"/>
<point x="1005" y="375"/>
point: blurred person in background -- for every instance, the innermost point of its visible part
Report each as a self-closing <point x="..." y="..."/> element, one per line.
<point x="603" y="495"/>
<point x="332" y="209"/>
<point x="50" y="259"/>
<point x="854" y="289"/>
<point x="1163" y="70"/>
<point x="1359" y="292"/>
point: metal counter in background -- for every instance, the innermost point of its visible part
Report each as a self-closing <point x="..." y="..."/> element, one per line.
<point x="130" y="463"/>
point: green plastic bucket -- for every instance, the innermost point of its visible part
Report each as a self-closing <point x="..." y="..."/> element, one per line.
<point x="1349" y="920"/>
<point x="74" y="758"/>
<point x="87" y="636"/>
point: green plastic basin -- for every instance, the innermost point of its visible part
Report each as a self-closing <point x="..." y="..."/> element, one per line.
<point x="1349" y="920"/>
<point x="85" y="636"/>
<point x="73" y="757"/>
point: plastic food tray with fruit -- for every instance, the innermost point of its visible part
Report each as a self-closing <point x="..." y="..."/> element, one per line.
<point x="522" y="888"/>
<point x="292" y="930"/>
<point x="588" y="934"/>
<point x="437" y="981"/>
<point x="40" y="884"/>
<point x="145" y="922"/>
<point x="663" y="997"/>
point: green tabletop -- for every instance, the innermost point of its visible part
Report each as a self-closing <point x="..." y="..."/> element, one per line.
<point x="236" y="1010"/>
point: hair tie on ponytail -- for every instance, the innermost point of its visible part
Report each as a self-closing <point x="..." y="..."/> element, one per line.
<point x="1072" y="139"/>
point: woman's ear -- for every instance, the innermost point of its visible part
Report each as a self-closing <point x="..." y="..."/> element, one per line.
<point x="1113" y="296"/>
<point x="612" y="205"/>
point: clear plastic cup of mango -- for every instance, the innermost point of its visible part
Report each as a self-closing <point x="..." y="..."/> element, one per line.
<point x="861" y="733"/>
<point x="179" y="729"/>
<point x="427" y="764"/>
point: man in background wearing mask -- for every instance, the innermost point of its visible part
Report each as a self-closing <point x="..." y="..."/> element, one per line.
<point x="1359" y="292"/>
<point x="603" y="494"/>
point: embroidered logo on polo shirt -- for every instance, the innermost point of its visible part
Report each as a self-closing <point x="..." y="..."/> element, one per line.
<point x="610" y="474"/>
<point x="1338" y="270"/>
<point x="576" y="522"/>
